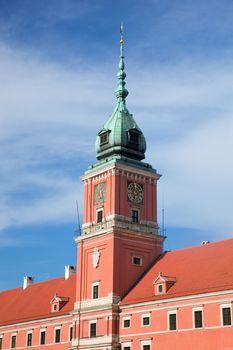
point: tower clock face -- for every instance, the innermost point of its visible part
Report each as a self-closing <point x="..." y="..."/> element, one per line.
<point x="100" y="193"/>
<point x="135" y="192"/>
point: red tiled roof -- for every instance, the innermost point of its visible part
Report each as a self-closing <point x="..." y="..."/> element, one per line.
<point x="19" y="305"/>
<point x="201" y="269"/>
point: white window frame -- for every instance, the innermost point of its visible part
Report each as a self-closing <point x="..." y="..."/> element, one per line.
<point x="42" y="330"/>
<point x="126" y="344"/>
<point x="13" y="335"/>
<point x="223" y="306"/>
<point x="172" y="312"/>
<point x="138" y="211"/>
<point x="126" y="318"/>
<point x="139" y="257"/>
<point x="92" y="322"/>
<point x="29" y="332"/>
<point x="71" y="326"/>
<point x="97" y="211"/>
<point x="92" y="289"/>
<point x="158" y="291"/>
<point x="146" y="342"/>
<point x="54" y="336"/>
<point x="1" y="337"/>
<point x="144" y="316"/>
<point x="198" y="309"/>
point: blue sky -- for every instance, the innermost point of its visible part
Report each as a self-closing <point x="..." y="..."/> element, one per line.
<point x="58" y="65"/>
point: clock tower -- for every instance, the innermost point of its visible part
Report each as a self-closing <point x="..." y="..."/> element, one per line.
<point x="120" y="238"/>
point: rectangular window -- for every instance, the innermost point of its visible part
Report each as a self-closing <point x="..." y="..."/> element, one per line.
<point x="226" y="316"/>
<point x="104" y="138"/>
<point x="57" y="335"/>
<point x="93" y="329"/>
<point x="13" y="341"/>
<point x="1" y="343"/>
<point x="135" y="216"/>
<point x="99" y="216"/>
<point x="29" y="339"/>
<point x="146" y="347"/>
<point x="198" y="319"/>
<point x="42" y="337"/>
<point x="126" y="322"/>
<point x="126" y="348"/>
<point x="172" y="322"/>
<point x="137" y="260"/>
<point x="133" y="137"/>
<point x="160" y="288"/>
<point x="145" y="320"/>
<point x="71" y="333"/>
<point x="95" y="291"/>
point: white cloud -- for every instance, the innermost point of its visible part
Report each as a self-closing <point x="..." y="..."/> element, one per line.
<point x="50" y="116"/>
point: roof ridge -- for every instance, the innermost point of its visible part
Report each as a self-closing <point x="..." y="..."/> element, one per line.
<point x="36" y="284"/>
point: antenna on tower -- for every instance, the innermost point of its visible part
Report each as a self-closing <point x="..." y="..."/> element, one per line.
<point x="163" y="229"/>
<point x="78" y="230"/>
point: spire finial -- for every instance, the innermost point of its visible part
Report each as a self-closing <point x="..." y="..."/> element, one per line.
<point x="121" y="92"/>
<point x="121" y="32"/>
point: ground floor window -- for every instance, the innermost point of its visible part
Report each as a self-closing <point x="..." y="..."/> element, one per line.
<point x="13" y="341"/>
<point x="93" y="329"/>
<point x="226" y="316"/>
<point x="198" y="319"/>
<point x="172" y="322"/>
<point x="57" y="335"/>
<point x="29" y="339"/>
<point x="42" y="337"/>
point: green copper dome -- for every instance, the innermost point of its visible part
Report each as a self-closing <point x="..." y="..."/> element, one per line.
<point x="120" y="135"/>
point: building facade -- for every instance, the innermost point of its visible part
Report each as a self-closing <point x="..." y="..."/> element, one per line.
<point x="128" y="293"/>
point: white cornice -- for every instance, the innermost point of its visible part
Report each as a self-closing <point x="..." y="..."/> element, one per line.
<point x="127" y="170"/>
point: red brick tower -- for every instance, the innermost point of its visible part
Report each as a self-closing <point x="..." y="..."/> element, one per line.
<point x="120" y="237"/>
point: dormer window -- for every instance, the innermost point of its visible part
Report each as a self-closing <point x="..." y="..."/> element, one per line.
<point x="160" y="288"/>
<point x="163" y="283"/>
<point x="104" y="137"/>
<point x="133" y="136"/>
<point x="57" y="303"/>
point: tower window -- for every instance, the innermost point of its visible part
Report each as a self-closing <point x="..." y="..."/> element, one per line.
<point x="99" y="216"/>
<point x="1" y="343"/>
<point x="95" y="290"/>
<point x="93" y="329"/>
<point x="104" y="138"/>
<point x="29" y="339"/>
<point x="137" y="260"/>
<point x="133" y="136"/>
<point x="135" y="215"/>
